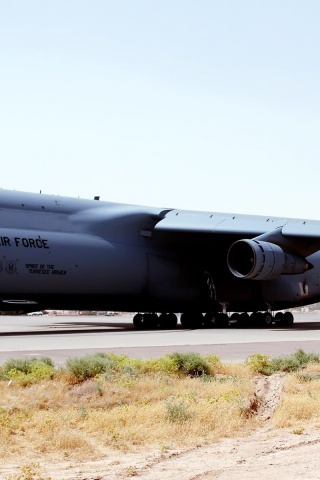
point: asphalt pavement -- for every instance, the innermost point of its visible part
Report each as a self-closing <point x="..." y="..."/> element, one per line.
<point x="60" y="337"/>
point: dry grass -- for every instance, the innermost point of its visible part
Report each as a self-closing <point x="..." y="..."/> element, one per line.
<point x="135" y="404"/>
<point x="74" y="420"/>
<point x="300" y="406"/>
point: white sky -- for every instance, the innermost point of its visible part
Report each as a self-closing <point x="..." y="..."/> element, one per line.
<point x="206" y="105"/>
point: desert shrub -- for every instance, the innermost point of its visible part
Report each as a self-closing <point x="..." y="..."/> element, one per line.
<point x="260" y="363"/>
<point x="177" y="410"/>
<point x="38" y="372"/>
<point x="166" y="365"/>
<point x="289" y="363"/>
<point x="121" y="361"/>
<point x="214" y="362"/>
<point x="294" y="362"/>
<point x="28" y="371"/>
<point x="25" y="365"/>
<point x="191" y="364"/>
<point x="91" y="365"/>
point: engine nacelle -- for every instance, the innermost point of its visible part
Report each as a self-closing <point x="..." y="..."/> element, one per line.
<point x="251" y="259"/>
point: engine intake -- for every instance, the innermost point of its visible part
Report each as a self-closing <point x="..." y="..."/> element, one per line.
<point x="251" y="259"/>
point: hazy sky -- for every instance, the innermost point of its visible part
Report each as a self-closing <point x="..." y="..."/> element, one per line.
<point x="206" y="105"/>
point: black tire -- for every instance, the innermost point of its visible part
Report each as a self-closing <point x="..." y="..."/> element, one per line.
<point x="254" y="318"/>
<point x="279" y="317"/>
<point x="267" y="319"/>
<point x="235" y="320"/>
<point x="172" y="320"/>
<point x="244" y="320"/>
<point x="191" y="320"/>
<point x="138" y="321"/>
<point x="288" y="319"/>
<point x="222" y="320"/>
<point x="285" y="319"/>
<point x="150" y="321"/>
<point x="209" y="320"/>
<point x="167" y="321"/>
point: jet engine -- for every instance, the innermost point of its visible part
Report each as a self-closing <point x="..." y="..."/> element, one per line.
<point x="252" y="259"/>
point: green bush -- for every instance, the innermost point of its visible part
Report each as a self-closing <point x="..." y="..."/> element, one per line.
<point x="290" y="363"/>
<point x="192" y="364"/>
<point x="91" y="365"/>
<point x="214" y="362"/>
<point x="25" y="365"/>
<point x="259" y="363"/>
<point x="28" y="371"/>
<point x="166" y="365"/>
<point x="294" y="362"/>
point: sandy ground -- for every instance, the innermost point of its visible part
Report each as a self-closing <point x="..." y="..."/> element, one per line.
<point x="265" y="454"/>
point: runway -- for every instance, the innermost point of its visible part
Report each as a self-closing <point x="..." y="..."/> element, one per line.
<point x="60" y="337"/>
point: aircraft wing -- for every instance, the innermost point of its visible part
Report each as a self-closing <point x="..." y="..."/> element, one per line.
<point x="295" y="235"/>
<point x="198" y="222"/>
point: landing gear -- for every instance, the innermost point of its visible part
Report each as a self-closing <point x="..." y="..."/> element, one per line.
<point x="191" y="320"/>
<point x="215" y="320"/>
<point x="146" y="321"/>
<point x="260" y="319"/>
<point x="241" y="320"/>
<point x="138" y="320"/>
<point x="151" y="321"/>
<point x="288" y="318"/>
<point x="168" y="321"/>
<point x="222" y="320"/>
<point x="209" y="320"/>
<point x="266" y="319"/>
<point x="285" y="319"/>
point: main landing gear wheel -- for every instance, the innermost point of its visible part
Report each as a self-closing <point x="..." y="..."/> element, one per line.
<point x="288" y="319"/>
<point x="279" y="316"/>
<point x="215" y="320"/>
<point x="209" y="320"/>
<point x="240" y="320"/>
<point x="168" y="321"/>
<point x="222" y="320"/>
<point x="150" y="321"/>
<point x="261" y="319"/>
<point x="285" y="319"/>
<point x="266" y="319"/>
<point x="138" y="320"/>
<point x="191" y="320"/>
<point x="146" y="321"/>
<point x="244" y="320"/>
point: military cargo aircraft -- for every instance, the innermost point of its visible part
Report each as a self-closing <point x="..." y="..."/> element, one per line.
<point x="74" y="254"/>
